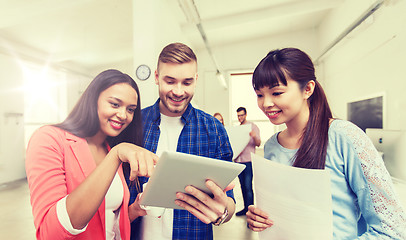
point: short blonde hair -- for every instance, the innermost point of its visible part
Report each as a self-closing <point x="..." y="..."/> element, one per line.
<point x="176" y="53"/>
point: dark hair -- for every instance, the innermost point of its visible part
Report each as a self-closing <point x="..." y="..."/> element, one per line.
<point x="83" y="120"/>
<point x="176" y="53"/>
<point x="297" y="65"/>
<point x="242" y="109"/>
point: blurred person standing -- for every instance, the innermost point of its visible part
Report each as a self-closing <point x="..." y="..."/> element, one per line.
<point x="245" y="176"/>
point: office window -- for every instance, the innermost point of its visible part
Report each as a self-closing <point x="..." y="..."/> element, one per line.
<point x="44" y="98"/>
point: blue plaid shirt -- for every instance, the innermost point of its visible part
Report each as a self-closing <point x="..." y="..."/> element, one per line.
<point x="201" y="135"/>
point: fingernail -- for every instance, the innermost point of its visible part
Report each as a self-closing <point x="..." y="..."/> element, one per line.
<point x="189" y="189"/>
<point x="179" y="195"/>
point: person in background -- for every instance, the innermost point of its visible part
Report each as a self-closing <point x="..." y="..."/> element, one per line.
<point x="245" y="176"/>
<point x="75" y="168"/>
<point x="219" y="117"/>
<point x="173" y="124"/>
<point x="364" y="203"/>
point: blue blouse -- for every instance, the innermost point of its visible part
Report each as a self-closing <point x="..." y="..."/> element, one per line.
<point x="365" y="205"/>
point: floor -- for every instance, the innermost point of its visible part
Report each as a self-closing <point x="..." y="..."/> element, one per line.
<point x="16" y="221"/>
<point x="236" y="228"/>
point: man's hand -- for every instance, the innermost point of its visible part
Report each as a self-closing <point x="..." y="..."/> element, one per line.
<point x="204" y="207"/>
<point x="254" y="136"/>
<point x="135" y="210"/>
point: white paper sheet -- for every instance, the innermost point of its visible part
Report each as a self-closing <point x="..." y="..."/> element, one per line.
<point x="297" y="200"/>
<point x="239" y="137"/>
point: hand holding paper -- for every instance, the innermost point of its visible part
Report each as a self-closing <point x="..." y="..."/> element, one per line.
<point x="297" y="200"/>
<point x="257" y="219"/>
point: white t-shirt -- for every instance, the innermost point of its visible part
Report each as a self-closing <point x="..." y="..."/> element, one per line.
<point x="160" y="227"/>
<point x="113" y="200"/>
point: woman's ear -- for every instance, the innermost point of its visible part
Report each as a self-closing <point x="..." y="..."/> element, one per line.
<point x="309" y="89"/>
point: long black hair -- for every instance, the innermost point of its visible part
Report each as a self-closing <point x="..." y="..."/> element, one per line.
<point x="83" y="120"/>
<point x="298" y="66"/>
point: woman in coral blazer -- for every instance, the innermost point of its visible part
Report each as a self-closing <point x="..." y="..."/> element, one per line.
<point x="77" y="184"/>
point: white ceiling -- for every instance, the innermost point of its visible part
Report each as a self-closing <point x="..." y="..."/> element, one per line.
<point x="92" y="33"/>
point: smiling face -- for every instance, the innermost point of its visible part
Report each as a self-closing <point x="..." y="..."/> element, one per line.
<point x="115" y="108"/>
<point x="242" y="116"/>
<point x="285" y="104"/>
<point x="176" y="83"/>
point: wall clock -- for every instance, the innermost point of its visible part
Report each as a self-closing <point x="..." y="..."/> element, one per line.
<point x="143" y="72"/>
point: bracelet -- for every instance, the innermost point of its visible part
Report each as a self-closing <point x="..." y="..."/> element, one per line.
<point x="221" y="219"/>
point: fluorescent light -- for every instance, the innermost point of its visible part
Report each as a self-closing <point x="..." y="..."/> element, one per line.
<point x="221" y="79"/>
<point x="189" y="9"/>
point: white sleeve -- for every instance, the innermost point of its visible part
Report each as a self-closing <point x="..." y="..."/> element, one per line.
<point x="64" y="219"/>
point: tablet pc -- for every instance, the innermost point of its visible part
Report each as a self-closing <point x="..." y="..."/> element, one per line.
<point x="174" y="171"/>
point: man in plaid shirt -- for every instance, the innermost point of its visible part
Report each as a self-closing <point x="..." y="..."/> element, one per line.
<point x="173" y="124"/>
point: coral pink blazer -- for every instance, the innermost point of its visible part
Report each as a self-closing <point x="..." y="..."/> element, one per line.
<point x="56" y="163"/>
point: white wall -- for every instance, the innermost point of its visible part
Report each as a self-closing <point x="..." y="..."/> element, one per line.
<point x="369" y="61"/>
<point x="11" y="120"/>
<point x="243" y="56"/>
<point x="154" y="28"/>
<point x="152" y="33"/>
<point x="76" y="85"/>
